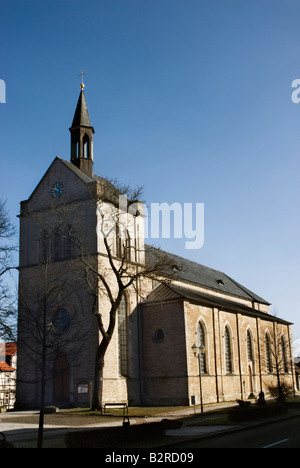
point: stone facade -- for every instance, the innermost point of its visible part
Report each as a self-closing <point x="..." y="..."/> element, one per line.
<point x="171" y="371"/>
<point x="51" y="275"/>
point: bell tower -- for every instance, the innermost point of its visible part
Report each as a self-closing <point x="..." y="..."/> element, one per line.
<point x="82" y="136"/>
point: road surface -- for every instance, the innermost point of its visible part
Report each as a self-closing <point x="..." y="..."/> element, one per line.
<point x="280" y="434"/>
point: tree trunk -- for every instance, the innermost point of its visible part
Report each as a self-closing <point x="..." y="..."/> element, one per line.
<point x="43" y="378"/>
<point x="41" y="417"/>
<point x="101" y="350"/>
<point x="97" y="403"/>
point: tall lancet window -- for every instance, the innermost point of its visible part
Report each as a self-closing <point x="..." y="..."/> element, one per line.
<point x="201" y="343"/>
<point x="122" y="336"/>
<point x="123" y="244"/>
<point x="285" y="367"/>
<point x="45" y="247"/>
<point x="269" y="361"/>
<point x="249" y="347"/>
<point x="228" y="351"/>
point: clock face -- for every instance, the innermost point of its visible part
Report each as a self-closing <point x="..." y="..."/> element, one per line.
<point x="57" y="190"/>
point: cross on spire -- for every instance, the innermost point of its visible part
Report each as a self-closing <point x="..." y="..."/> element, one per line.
<point x="81" y="74"/>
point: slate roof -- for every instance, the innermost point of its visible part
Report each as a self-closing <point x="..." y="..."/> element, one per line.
<point x="192" y="272"/>
<point x="167" y="292"/>
<point x="81" y="116"/>
<point x="111" y="193"/>
<point x="84" y="177"/>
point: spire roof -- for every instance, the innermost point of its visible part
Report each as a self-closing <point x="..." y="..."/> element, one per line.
<point x="81" y="116"/>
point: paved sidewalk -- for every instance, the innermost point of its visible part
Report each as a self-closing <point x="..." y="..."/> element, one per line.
<point x="16" y="429"/>
<point x="21" y="431"/>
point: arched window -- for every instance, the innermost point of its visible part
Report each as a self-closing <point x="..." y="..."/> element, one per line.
<point x="122" y="336"/>
<point x="86" y="149"/>
<point x="45" y="247"/>
<point x="58" y="244"/>
<point x="269" y="363"/>
<point x="201" y="343"/>
<point x="123" y="244"/>
<point x="249" y="346"/>
<point x="283" y="351"/>
<point x="64" y="243"/>
<point x="70" y="242"/>
<point x="228" y="351"/>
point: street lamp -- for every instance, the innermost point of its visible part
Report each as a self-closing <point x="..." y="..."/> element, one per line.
<point x="198" y="351"/>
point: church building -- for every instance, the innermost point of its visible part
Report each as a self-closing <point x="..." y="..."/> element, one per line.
<point x="194" y="335"/>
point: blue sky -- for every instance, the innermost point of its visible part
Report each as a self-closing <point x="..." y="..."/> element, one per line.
<point x="190" y="98"/>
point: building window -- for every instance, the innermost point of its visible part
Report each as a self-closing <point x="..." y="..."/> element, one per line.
<point x="123" y="244"/>
<point x="249" y="347"/>
<point x="122" y="336"/>
<point x="284" y="358"/>
<point x="269" y="363"/>
<point x="45" y="247"/>
<point x="228" y="351"/>
<point x="86" y="149"/>
<point x="201" y="343"/>
<point x="58" y="246"/>
<point x="64" y="243"/>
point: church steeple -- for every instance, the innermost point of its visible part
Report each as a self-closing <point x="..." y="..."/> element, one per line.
<point x="82" y="137"/>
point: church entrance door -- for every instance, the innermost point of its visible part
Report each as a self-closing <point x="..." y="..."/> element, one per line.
<point x="61" y="380"/>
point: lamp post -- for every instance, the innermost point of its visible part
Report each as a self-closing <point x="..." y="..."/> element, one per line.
<point x="198" y="351"/>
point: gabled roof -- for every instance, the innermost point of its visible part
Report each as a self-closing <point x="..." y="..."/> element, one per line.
<point x="192" y="272"/>
<point x="11" y="348"/>
<point x="168" y="292"/>
<point x="82" y="175"/>
<point x="110" y="192"/>
<point x="71" y="166"/>
<point x="6" y="368"/>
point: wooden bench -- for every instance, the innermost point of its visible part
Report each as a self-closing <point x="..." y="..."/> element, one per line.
<point x="116" y="405"/>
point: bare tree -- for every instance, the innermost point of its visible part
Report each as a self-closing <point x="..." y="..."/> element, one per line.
<point x="108" y="274"/>
<point x="44" y="327"/>
<point x="7" y="300"/>
<point x="278" y="361"/>
<point x="120" y="270"/>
